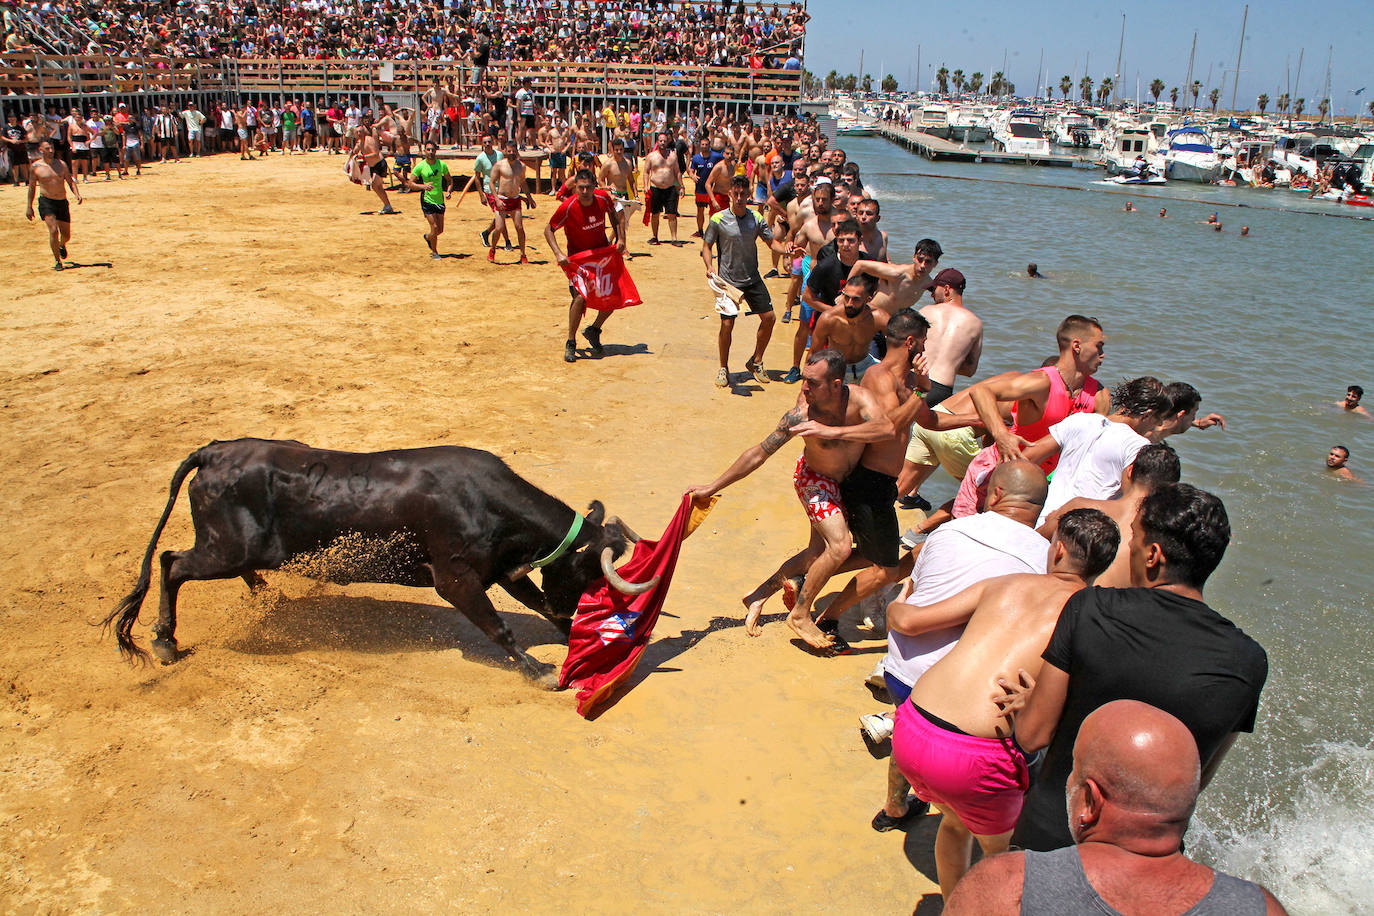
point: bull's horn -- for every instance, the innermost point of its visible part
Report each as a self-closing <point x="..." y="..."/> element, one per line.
<point x="619" y="584"/>
<point x="629" y="533"/>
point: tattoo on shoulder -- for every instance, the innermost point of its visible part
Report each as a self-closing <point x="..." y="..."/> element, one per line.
<point x="779" y="436"/>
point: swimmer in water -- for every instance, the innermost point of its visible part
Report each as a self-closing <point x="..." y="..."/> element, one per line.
<point x="1216" y="227"/>
<point x="1351" y="404"/>
<point x="1212" y="219"/>
<point x="1335" y="463"/>
<point x="1163" y="213"/>
<point x="1033" y="271"/>
<point x="1244" y="230"/>
<point x="1130" y="207"/>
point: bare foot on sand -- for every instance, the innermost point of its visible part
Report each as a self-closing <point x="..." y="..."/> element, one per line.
<point x="751" y="617"/>
<point x="803" y="626"/>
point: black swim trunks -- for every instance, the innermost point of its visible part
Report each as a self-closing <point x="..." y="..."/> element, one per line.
<point x="663" y="200"/>
<point x="870" y="505"/>
<point x="427" y="207"/>
<point x="938" y="392"/>
<point x="57" y="208"/>
<point x="379" y="168"/>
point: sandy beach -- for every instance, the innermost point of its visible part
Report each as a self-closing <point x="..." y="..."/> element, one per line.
<point x="365" y="749"/>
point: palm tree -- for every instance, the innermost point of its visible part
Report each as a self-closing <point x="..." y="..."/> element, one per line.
<point x="868" y="83"/>
<point x="957" y="77"/>
<point x="1298" y="106"/>
<point x="1156" y="89"/>
<point x="942" y="80"/>
<point x="975" y="82"/>
<point x="1323" y="107"/>
<point x="1066" y="86"/>
<point x="1212" y="97"/>
<point x="1283" y="104"/>
<point x="889" y="83"/>
<point x="1195" y="89"/>
<point x="1262" y="102"/>
<point x="998" y="84"/>
<point x="1104" y="90"/>
<point x="1371" y="109"/>
<point x="832" y="79"/>
<point x="1085" y="89"/>
<point x="1173" y="96"/>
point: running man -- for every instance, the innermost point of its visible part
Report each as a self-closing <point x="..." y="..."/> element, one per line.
<point x="735" y="233"/>
<point x="583" y="218"/>
<point x="370" y="150"/>
<point x="956" y="335"/>
<point x="49" y="177"/>
<point x="509" y="191"/>
<point x="432" y="177"/>
<point x="618" y="177"/>
<point x="835" y="421"/>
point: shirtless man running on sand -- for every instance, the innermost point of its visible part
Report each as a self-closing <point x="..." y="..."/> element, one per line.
<point x="835" y="421"/>
<point x="369" y="148"/>
<point x="509" y="190"/>
<point x="49" y="177"/>
<point x="849" y="328"/>
<point x="951" y="740"/>
<point x="956" y="335"/>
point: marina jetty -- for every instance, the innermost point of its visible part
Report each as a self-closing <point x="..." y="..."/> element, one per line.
<point x="936" y="149"/>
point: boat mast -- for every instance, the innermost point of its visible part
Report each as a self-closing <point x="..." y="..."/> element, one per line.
<point x="1244" y="19"/>
<point x="1297" y="80"/>
<point x="1188" y="80"/>
<point x="1326" y="91"/>
<point x="1038" y="67"/>
<point x="1116" y="80"/>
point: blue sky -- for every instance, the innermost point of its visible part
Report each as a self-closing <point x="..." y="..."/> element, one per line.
<point x="1078" y="34"/>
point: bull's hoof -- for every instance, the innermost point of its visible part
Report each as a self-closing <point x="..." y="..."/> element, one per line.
<point x="547" y="681"/>
<point x="166" y="650"/>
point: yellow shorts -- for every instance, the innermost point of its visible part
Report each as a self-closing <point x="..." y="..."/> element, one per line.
<point x="951" y="449"/>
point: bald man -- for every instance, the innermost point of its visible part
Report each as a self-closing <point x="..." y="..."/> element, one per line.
<point x="999" y="541"/>
<point x="1134" y="784"/>
<point x="951" y="738"/>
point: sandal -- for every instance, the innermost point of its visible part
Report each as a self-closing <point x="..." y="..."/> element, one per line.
<point x="883" y="822"/>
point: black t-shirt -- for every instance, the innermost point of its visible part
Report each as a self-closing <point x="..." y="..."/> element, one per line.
<point x="483" y="55"/>
<point x="829" y="273"/>
<point x="1143" y="644"/>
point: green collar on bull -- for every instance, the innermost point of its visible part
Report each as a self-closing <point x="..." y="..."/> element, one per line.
<point x="573" y="531"/>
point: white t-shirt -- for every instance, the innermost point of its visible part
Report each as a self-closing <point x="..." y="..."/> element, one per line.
<point x="959" y="554"/>
<point x="194" y="120"/>
<point x="352" y="117"/>
<point x="1093" y="452"/>
<point x="94" y="125"/>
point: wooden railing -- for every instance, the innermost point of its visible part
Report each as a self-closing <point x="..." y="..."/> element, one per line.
<point x="31" y="73"/>
<point x="35" y="74"/>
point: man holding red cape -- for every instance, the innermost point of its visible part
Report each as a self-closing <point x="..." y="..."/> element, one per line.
<point x="596" y="272"/>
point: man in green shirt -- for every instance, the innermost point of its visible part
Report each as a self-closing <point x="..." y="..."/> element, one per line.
<point x="432" y="177"/>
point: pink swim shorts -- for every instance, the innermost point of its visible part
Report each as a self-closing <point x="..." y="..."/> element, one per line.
<point x="819" y="494"/>
<point x="982" y="780"/>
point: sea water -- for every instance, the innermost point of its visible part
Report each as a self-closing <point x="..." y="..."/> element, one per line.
<point x="1270" y="328"/>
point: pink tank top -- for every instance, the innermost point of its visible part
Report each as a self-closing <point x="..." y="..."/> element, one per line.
<point x="1058" y="405"/>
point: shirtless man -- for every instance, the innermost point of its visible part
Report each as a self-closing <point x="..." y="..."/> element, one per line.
<point x="618" y="177"/>
<point x="718" y="181"/>
<point x="1335" y="459"/>
<point x="369" y="149"/>
<point x="850" y="328"/>
<point x="663" y="178"/>
<point x="956" y="335"/>
<point x="559" y="140"/>
<point x="403" y="126"/>
<point x="1154" y="466"/>
<point x="241" y="128"/>
<point x="871" y="238"/>
<point x="901" y="286"/>
<point x="835" y="421"/>
<point x="951" y="740"/>
<point x="79" y="138"/>
<point x="50" y="177"/>
<point x="812" y="236"/>
<point x="509" y="188"/>
<point x="799" y="210"/>
<point x="1351" y="404"/>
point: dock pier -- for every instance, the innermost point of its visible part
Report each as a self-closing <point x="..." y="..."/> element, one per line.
<point x="935" y="149"/>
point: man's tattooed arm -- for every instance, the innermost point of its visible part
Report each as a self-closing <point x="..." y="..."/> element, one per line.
<point x="778" y="437"/>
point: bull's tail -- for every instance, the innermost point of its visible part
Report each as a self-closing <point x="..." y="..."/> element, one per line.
<point x="127" y="609"/>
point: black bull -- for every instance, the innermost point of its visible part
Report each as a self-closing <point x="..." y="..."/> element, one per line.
<point x="451" y="518"/>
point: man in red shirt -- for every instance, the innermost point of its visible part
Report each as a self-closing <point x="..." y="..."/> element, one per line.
<point x="583" y="219"/>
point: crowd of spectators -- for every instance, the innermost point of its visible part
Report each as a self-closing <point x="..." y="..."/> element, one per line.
<point x="679" y="32"/>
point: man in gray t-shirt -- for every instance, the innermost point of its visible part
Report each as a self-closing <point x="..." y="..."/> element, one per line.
<point x="735" y="232"/>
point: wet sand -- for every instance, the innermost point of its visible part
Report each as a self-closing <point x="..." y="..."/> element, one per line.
<point x="364" y="748"/>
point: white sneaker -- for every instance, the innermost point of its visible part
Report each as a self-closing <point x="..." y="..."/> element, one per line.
<point x="875" y="678"/>
<point x="875" y="728"/>
<point x="722" y="379"/>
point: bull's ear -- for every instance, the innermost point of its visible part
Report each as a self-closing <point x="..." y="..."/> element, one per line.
<point x="596" y="512"/>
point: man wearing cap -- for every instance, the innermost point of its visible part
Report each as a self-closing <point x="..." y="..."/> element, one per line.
<point x="955" y="340"/>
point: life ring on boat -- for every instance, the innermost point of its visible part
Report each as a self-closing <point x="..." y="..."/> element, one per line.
<point x="1360" y="200"/>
